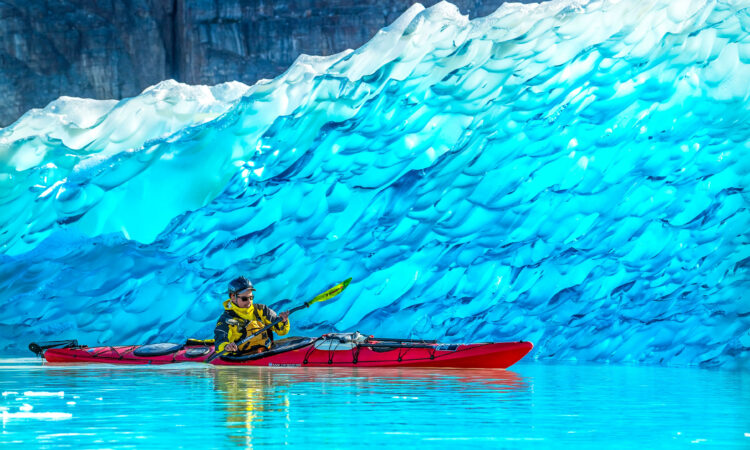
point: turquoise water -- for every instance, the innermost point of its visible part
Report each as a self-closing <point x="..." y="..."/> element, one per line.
<point x="533" y="405"/>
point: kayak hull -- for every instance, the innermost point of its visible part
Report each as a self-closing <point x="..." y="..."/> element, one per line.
<point x="483" y="355"/>
<point x="490" y="355"/>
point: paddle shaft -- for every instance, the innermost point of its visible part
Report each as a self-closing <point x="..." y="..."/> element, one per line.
<point x="268" y="327"/>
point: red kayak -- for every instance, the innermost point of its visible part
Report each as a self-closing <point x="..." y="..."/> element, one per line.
<point x="330" y="350"/>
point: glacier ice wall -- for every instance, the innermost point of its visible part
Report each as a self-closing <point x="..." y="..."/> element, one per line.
<point x="575" y="174"/>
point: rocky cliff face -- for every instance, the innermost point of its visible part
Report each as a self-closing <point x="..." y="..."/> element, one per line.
<point x="116" y="48"/>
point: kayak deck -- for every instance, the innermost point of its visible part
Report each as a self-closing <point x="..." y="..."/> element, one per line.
<point x="326" y="351"/>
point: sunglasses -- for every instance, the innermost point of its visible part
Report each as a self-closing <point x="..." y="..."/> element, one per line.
<point x="245" y="298"/>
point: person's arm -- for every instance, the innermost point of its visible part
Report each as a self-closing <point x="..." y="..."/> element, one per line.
<point x="269" y="316"/>
<point x="221" y="337"/>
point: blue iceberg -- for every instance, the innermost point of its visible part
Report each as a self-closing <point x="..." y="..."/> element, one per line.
<point x="570" y="173"/>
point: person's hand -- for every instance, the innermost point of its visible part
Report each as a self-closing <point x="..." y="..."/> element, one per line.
<point x="230" y="347"/>
<point x="284" y="316"/>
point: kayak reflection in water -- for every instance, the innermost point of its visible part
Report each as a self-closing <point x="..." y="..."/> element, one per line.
<point x="242" y="318"/>
<point x="250" y="398"/>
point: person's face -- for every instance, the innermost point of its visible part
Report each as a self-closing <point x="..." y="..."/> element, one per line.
<point x="244" y="299"/>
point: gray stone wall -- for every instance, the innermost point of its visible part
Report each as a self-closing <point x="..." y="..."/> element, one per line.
<point x="107" y="49"/>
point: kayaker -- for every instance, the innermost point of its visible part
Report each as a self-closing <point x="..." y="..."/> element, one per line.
<point x="242" y="318"/>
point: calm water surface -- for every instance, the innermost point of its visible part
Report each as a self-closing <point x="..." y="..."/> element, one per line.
<point x="534" y="405"/>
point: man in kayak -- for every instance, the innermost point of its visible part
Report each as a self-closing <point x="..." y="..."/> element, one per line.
<point x="241" y="318"/>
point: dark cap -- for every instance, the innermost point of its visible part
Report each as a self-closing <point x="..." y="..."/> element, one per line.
<point x="240" y="284"/>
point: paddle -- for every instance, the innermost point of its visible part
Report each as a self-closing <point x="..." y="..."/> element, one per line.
<point x="327" y="295"/>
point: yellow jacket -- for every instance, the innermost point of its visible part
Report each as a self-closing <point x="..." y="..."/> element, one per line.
<point x="236" y="323"/>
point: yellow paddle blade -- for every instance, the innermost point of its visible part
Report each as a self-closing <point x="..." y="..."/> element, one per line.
<point x="330" y="293"/>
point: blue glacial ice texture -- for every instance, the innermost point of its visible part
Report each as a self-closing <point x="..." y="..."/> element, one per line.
<point x="574" y="174"/>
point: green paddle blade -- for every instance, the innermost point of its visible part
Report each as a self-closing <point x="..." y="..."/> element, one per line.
<point x="330" y="293"/>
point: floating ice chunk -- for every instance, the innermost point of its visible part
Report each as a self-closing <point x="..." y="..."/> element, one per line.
<point x="44" y="394"/>
<point x="37" y="416"/>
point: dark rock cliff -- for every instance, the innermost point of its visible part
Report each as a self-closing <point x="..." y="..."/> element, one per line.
<point x="116" y="48"/>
